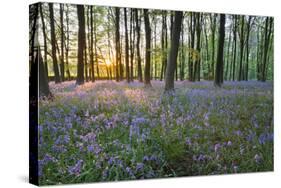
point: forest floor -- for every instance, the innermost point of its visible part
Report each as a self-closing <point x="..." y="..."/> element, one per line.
<point x="107" y="131"/>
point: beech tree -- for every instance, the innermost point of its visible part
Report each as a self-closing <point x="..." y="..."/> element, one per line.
<point x="169" y="76"/>
<point x="81" y="45"/>
<point x="219" y="65"/>
<point x="53" y="42"/>
<point x="147" y="48"/>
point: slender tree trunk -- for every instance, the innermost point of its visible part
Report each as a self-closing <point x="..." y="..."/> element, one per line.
<point x="267" y="34"/>
<point x="191" y="46"/>
<point x="219" y="66"/>
<point x="95" y="37"/>
<point x="155" y="53"/>
<point x="171" y="66"/>
<point x="138" y="28"/>
<point x="163" y="45"/>
<point x="207" y="52"/>
<point x="147" y="48"/>
<point x="62" y="42"/>
<point x="45" y="62"/>
<point x="247" y="48"/>
<point x="132" y="44"/>
<point x="182" y="53"/>
<point x="227" y="56"/>
<point x="126" y="47"/>
<point x="234" y="41"/>
<point x="117" y="43"/>
<point x="81" y="44"/>
<point x="241" y="49"/>
<point x="92" y="45"/>
<point x="67" y="43"/>
<point x="53" y="42"/>
<point x="198" y="34"/>
<point x="213" y="19"/>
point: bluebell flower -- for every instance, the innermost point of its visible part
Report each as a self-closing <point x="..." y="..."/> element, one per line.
<point x="76" y="169"/>
<point x="130" y="172"/>
<point x="139" y="167"/>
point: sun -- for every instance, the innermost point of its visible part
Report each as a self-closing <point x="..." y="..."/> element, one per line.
<point x="108" y="62"/>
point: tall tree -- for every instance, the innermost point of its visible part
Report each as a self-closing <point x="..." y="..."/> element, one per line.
<point x="117" y="43"/>
<point x="132" y="44"/>
<point x="81" y="44"/>
<point x="247" y="47"/>
<point x="171" y="66"/>
<point x="234" y="50"/>
<point x="198" y="47"/>
<point x="67" y="42"/>
<point x="147" y="48"/>
<point x="44" y="40"/>
<point x="138" y="29"/>
<point x="164" y="44"/>
<point x="241" y="49"/>
<point x="207" y="75"/>
<point x="126" y="46"/>
<point x="192" y="24"/>
<point x="182" y="53"/>
<point x="227" y="58"/>
<point x="213" y="19"/>
<point x="267" y="35"/>
<point x="95" y="44"/>
<point x="53" y="43"/>
<point x="36" y="60"/>
<point x="91" y="45"/>
<point x="219" y="65"/>
<point x="62" y="42"/>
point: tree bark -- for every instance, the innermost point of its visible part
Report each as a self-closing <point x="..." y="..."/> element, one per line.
<point x="138" y="28"/>
<point x="53" y="42"/>
<point x="126" y="47"/>
<point x="219" y="66"/>
<point x="169" y="78"/>
<point x="45" y="62"/>
<point x="147" y="48"/>
<point x="81" y="44"/>
<point x="62" y="42"/>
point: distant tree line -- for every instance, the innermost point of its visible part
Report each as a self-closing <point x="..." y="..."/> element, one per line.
<point x="89" y="43"/>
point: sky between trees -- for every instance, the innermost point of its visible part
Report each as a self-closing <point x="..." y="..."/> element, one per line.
<point x="89" y="43"/>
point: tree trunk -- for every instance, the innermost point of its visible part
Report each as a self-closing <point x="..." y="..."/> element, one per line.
<point x="247" y="48"/>
<point x="81" y="44"/>
<point x="45" y="62"/>
<point x="198" y="59"/>
<point x="191" y="46"/>
<point x="138" y="28"/>
<point x="53" y="42"/>
<point x="234" y="41"/>
<point x="241" y="49"/>
<point x="67" y="43"/>
<point x="91" y="45"/>
<point x="147" y="48"/>
<point x="227" y="56"/>
<point x="126" y="47"/>
<point x="163" y="45"/>
<point x="132" y="44"/>
<point x="267" y="34"/>
<point x="169" y="78"/>
<point x="182" y="54"/>
<point x="213" y="29"/>
<point x="96" y="53"/>
<point x="219" y="66"/>
<point x="62" y="42"/>
<point x="117" y="43"/>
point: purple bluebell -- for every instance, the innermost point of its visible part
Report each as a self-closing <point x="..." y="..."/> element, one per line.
<point x="76" y="169"/>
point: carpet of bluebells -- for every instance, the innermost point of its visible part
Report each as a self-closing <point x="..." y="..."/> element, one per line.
<point x="108" y="131"/>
